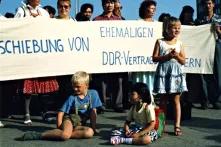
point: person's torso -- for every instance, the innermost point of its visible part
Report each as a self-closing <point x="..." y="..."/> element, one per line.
<point x="28" y="11"/>
<point x="143" y="115"/>
<point x="165" y="48"/>
<point x="81" y="105"/>
<point x="104" y="17"/>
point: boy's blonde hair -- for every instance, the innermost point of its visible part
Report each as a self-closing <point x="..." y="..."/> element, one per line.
<point x="80" y="77"/>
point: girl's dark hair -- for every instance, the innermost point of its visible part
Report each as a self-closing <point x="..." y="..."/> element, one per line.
<point x="204" y="2"/>
<point x="142" y="90"/>
<point x="51" y="10"/>
<point x="85" y="6"/>
<point x="163" y="17"/>
<point x="80" y="17"/>
<point x="186" y="9"/>
<point x="143" y="7"/>
<point x="105" y="1"/>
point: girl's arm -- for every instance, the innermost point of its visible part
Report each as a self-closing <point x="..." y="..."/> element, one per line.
<point x="126" y="128"/>
<point x="156" y="54"/>
<point x="59" y="119"/>
<point x="180" y="57"/>
<point x="150" y="126"/>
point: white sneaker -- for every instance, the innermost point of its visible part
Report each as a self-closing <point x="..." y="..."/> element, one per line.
<point x="115" y="140"/>
<point x="27" y="119"/>
<point x="1" y="125"/>
<point x="28" y="122"/>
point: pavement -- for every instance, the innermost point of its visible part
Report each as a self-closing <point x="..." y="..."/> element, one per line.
<point x="202" y="130"/>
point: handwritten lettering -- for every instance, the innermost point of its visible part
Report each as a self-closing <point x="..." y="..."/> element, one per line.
<point x="31" y="46"/>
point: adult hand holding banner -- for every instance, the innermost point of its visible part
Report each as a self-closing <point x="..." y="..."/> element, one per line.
<point x="49" y="47"/>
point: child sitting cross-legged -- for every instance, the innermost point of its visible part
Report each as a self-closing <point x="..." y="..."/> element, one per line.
<point x="142" y="113"/>
<point x="76" y="110"/>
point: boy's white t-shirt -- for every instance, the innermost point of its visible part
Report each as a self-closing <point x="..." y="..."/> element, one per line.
<point x="145" y="115"/>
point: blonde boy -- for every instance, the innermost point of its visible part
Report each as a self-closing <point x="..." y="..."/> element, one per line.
<point x="76" y="110"/>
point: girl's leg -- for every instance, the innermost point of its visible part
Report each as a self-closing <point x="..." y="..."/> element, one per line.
<point x="58" y="134"/>
<point x="142" y="140"/>
<point x="177" y="110"/>
<point x="27" y="110"/>
<point x="81" y="132"/>
<point x="139" y="141"/>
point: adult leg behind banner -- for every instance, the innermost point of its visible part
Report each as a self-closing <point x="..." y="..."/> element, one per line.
<point x="217" y="66"/>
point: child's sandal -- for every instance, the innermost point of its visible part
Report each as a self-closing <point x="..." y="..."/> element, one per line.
<point x="177" y="131"/>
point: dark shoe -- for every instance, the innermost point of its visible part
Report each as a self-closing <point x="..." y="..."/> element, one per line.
<point x="119" y="110"/>
<point x="31" y="136"/>
<point x="216" y="106"/>
<point x="96" y="132"/>
<point x="204" y="106"/>
<point x="100" y="110"/>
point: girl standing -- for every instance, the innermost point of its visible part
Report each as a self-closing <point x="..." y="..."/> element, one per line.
<point x="35" y="86"/>
<point x="169" y="79"/>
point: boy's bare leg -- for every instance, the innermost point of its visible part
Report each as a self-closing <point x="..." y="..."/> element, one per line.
<point x="58" y="134"/>
<point x="82" y="132"/>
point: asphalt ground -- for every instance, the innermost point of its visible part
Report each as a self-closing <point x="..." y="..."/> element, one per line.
<point x="202" y="130"/>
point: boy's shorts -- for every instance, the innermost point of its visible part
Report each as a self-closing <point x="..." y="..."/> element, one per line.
<point x="74" y="118"/>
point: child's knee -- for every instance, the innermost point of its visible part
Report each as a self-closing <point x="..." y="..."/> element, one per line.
<point x="89" y="133"/>
<point x="65" y="136"/>
<point x="146" y="139"/>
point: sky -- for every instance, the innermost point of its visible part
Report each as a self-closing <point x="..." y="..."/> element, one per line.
<point x="130" y="7"/>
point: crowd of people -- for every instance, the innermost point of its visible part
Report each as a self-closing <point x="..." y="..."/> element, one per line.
<point x="116" y="90"/>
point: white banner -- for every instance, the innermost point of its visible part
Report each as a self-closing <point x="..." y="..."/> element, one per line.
<point x="50" y="47"/>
